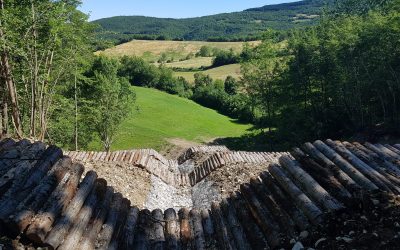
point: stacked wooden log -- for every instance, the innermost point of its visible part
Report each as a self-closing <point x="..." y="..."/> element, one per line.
<point x="158" y="165"/>
<point x="189" y="153"/>
<point x="147" y="159"/>
<point x="224" y="158"/>
<point x="139" y="156"/>
<point x="46" y="200"/>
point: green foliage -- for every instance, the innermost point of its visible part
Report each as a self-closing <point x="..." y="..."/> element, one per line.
<point x="336" y="79"/>
<point x="223" y="57"/>
<point x="110" y="99"/>
<point x="138" y="72"/>
<point x="205" y="51"/>
<point x="141" y="73"/>
<point x="238" y="26"/>
<point x="360" y="6"/>
<point x="231" y="85"/>
<point x="201" y="80"/>
<point x="49" y="44"/>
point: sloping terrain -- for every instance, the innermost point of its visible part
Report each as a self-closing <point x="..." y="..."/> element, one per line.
<point x="159" y="117"/>
<point x="152" y="50"/>
<point x="326" y="195"/>
<point x="218" y="73"/>
<point x="242" y="24"/>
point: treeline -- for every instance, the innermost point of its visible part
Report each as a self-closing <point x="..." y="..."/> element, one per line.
<point x="52" y="87"/>
<point x="227" y="96"/>
<point x="333" y="80"/>
<point x="238" y="26"/>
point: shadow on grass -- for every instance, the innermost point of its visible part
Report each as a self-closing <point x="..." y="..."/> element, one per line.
<point x="255" y="140"/>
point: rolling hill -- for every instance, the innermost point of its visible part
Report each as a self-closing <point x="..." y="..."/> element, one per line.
<point x="160" y="118"/>
<point x="174" y="50"/>
<point x="218" y="73"/>
<point x="227" y="26"/>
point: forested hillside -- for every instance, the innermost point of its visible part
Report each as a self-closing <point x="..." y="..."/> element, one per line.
<point x="248" y="24"/>
<point x="337" y="78"/>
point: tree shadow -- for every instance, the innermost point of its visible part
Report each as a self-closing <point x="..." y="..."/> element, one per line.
<point x="255" y="140"/>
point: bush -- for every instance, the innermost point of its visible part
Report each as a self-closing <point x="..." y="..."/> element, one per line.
<point x="205" y="51"/>
<point x="225" y="58"/>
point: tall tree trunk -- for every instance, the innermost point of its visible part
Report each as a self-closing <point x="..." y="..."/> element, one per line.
<point x="12" y="92"/>
<point x="44" y="99"/>
<point x="76" y="113"/>
<point x="3" y="106"/>
<point x="35" y="73"/>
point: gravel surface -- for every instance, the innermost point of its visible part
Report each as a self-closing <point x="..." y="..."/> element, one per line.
<point x="204" y="193"/>
<point x="164" y="196"/>
<point x="132" y="182"/>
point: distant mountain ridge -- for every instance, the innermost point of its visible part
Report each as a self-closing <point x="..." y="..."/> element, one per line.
<point x="242" y="25"/>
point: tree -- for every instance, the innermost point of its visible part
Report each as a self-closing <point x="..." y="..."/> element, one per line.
<point x="138" y="71"/>
<point x="205" y="51"/>
<point x="201" y="80"/>
<point x="225" y="57"/>
<point x="43" y="42"/>
<point x="261" y="77"/>
<point x="7" y="78"/>
<point x="231" y="85"/>
<point x="111" y="98"/>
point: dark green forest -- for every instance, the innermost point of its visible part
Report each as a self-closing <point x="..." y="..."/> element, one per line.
<point x="244" y="25"/>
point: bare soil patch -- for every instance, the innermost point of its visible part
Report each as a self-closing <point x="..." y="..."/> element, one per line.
<point x="176" y="147"/>
<point x="230" y="177"/>
<point x="132" y="182"/>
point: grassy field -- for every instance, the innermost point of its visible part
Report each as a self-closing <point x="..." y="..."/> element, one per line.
<point x="160" y="116"/>
<point x="216" y="73"/>
<point x="196" y="62"/>
<point x="151" y="50"/>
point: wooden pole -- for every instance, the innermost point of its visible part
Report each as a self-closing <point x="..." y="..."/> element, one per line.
<point x="129" y="230"/>
<point x="262" y="217"/>
<point x="284" y="201"/>
<point x="234" y="225"/>
<point x="27" y="209"/>
<point x="221" y="231"/>
<point x="208" y="229"/>
<point x="94" y="227"/>
<point x="364" y="168"/>
<point x="313" y="213"/>
<point x="198" y="234"/>
<point x="323" y="176"/>
<point x="106" y="233"/>
<point x="75" y="233"/>
<point x="60" y="229"/>
<point x="118" y="231"/>
<point x="339" y="174"/>
<point x="157" y="239"/>
<point x="313" y="189"/>
<point x="346" y="166"/>
<point x="172" y="230"/>
<point x="253" y="233"/>
<point x="55" y="205"/>
<point x="186" y="232"/>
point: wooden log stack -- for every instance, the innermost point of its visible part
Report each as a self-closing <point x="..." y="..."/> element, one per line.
<point x="45" y="199"/>
<point x="221" y="159"/>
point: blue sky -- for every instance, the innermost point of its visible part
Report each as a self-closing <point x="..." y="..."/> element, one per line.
<point x="168" y="8"/>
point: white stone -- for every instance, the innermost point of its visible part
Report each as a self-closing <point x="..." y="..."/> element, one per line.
<point x="298" y="246"/>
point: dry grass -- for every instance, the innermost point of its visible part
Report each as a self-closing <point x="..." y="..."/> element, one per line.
<point x="196" y="62"/>
<point x="216" y="73"/>
<point x="153" y="49"/>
